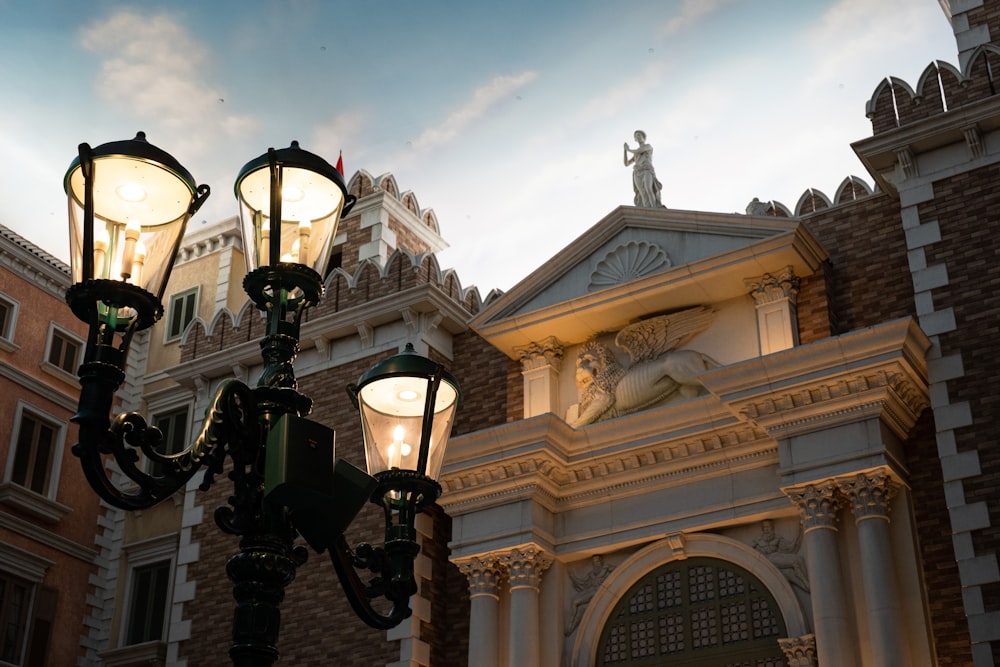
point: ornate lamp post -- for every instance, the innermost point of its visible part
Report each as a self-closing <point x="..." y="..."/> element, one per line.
<point x="129" y="205"/>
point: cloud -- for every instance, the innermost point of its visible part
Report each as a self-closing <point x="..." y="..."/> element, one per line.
<point x="851" y="35"/>
<point x="153" y="67"/>
<point x="692" y="11"/>
<point x="483" y="100"/>
<point x="338" y="134"/>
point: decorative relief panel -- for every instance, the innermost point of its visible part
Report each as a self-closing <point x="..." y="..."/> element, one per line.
<point x="656" y="372"/>
<point x="628" y="261"/>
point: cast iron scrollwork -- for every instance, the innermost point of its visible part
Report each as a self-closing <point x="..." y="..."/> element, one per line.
<point x="232" y="418"/>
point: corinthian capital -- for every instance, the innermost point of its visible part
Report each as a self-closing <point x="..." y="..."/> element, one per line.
<point x="525" y="566"/>
<point x="769" y="288"/>
<point x="483" y="573"/>
<point x="800" y="651"/>
<point x="547" y="352"/>
<point x="869" y="494"/>
<point x="817" y="503"/>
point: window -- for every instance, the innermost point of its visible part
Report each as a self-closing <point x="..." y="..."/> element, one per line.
<point x="15" y="601"/>
<point x="148" y="602"/>
<point x="174" y="426"/>
<point x="64" y="351"/>
<point x="8" y="318"/>
<point x="149" y="591"/>
<point x="183" y="307"/>
<point x="34" y="452"/>
<point x="34" y="460"/>
<point x="24" y="639"/>
<point x="700" y="611"/>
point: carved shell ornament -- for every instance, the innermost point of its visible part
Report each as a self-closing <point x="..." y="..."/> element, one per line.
<point x="628" y="261"/>
<point x="658" y="372"/>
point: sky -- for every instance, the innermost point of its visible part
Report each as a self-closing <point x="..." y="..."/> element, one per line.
<point x="505" y="118"/>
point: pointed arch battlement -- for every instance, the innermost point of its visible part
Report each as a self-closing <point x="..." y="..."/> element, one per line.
<point x="941" y="87"/>
<point x="387" y="183"/>
<point x="850" y="189"/>
<point x="812" y="200"/>
<point x="361" y="184"/>
<point x="409" y="200"/>
<point x="429" y="218"/>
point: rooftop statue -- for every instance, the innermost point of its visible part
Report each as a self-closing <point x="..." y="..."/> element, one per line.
<point x="658" y="372"/>
<point x="647" y="188"/>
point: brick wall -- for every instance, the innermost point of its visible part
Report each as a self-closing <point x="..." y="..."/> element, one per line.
<point x="868" y="281"/>
<point x="970" y="248"/>
<point x="867" y="275"/>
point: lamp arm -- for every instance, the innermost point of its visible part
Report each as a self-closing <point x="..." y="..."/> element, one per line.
<point x="231" y="417"/>
<point x="360" y="595"/>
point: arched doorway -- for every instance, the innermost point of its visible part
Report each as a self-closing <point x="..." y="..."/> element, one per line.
<point x="699" y="611"/>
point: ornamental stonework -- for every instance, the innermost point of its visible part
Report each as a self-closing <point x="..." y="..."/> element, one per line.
<point x="548" y="352"/>
<point x="771" y="288"/>
<point x="483" y="573"/>
<point x="869" y="495"/>
<point x="525" y="566"/>
<point x="818" y="504"/>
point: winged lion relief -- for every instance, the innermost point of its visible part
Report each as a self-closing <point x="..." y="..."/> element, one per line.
<point x="656" y="373"/>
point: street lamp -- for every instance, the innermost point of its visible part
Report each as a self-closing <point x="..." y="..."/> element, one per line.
<point x="129" y="205"/>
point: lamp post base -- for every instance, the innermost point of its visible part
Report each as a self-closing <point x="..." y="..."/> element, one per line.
<point x="260" y="572"/>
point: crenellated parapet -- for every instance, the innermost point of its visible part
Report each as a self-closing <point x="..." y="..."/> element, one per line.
<point x="941" y="87"/>
<point x="363" y="184"/>
<point x="343" y="291"/>
<point x="812" y="200"/>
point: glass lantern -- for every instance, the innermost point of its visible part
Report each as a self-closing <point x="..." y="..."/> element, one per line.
<point x="129" y="204"/>
<point x="407" y="405"/>
<point x="299" y="226"/>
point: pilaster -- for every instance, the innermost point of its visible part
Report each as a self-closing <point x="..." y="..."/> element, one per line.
<point x="775" y="298"/>
<point x="540" y="365"/>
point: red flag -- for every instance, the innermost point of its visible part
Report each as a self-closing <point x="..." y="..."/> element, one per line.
<point x="340" y="163"/>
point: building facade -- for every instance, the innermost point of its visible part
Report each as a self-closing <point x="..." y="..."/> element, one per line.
<point x="688" y="438"/>
<point x="48" y="515"/>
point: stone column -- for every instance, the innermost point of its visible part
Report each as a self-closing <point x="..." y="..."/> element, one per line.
<point x="800" y="651"/>
<point x="818" y="504"/>
<point x="869" y="495"/>
<point x="524" y="570"/>
<point x="540" y="364"/>
<point x="484" y="575"/>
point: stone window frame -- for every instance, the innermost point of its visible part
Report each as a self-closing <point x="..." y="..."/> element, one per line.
<point x="175" y="301"/>
<point x="9" y="325"/>
<point x="42" y="506"/>
<point x="74" y="343"/>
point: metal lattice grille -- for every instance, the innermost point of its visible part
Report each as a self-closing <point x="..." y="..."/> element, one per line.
<point x="701" y="611"/>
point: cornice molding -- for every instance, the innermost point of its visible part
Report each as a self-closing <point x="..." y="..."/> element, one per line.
<point x="875" y="372"/>
<point x="34" y="265"/>
<point x="544" y="460"/>
<point x="878" y="373"/>
<point x="47" y="537"/>
<point x="36" y="386"/>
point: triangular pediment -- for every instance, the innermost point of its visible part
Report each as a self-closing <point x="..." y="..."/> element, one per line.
<point x="640" y="261"/>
